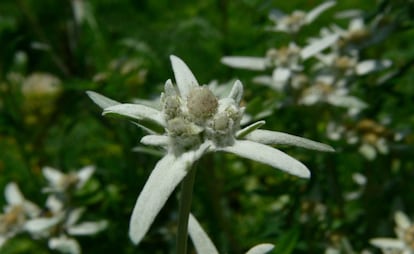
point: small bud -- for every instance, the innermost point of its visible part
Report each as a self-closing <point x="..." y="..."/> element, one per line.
<point x="184" y="135"/>
<point x="221" y="122"/>
<point x="172" y="106"/>
<point x="182" y="127"/>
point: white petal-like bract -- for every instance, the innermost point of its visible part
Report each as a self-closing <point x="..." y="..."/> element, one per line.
<point x="87" y="228"/>
<point x="74" y="216"/>
<point x="402" y="220"/>
<point x="314" y="13"/>
<point x="100" y="100"/>
<point x="40" y="225"/>
<point x="280" y="138"/>
<point x="346" y="101"/>
<point x="13" y="194"/>
<point x="261" y="248"/>
<point x="388" y="243"/>
<point x="64" y="245"/>
<point x="268" y="155"/>
<point x="250" y="128"/>
<point x="318" y="45"/>
<point x="54" y="176"/>
<point x="245" y="62"/>
<point x="183" y="76"/>
<point x="165" y="177"/>
<point x="199" y="237"/>
<point x="155" y="140"/>
<point x="136" y="112"/>
<point x="236" y="92"/>
<point x="369" y="66"/>
<point x="84" y="174"/>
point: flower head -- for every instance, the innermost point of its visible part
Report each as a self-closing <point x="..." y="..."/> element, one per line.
<point x="192" y="122"/>
<point x="404" y="243"/>
<point x="16" y="214"/>
<point x="373" y="138"/>
<point x="60" y="222"/>
<point x="293" y="22"/>
<point x="287" y="62"/>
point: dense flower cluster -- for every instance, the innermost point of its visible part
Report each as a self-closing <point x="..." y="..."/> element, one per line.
<point x="58" y="222"/>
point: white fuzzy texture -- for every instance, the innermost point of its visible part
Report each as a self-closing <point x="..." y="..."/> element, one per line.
<point x="204" y="245"/>
<point x="64" y="245"/>
<point x="236" y="92"/>
<point x="318" y="46"/>
<point x="155" y="140"/>
<point x="388" y="243"/>
<point x="245" y="62"/>
<point x="100" y="100"/>
<point x="369" y="66"/>
<point x="280" y="138"/>
<point x="165" y="177"/>
<point x="13" y="194"/>
<point x="136" y="112"/>
<point x="84" y="174"/>
<point x="199" y="237"/>
<point x="42" y="225"/>
<point x="268" y="155"/>
<point x="314" y="13"/>
<point x="261" y="248"/>
<point x="87" y="228"/>
<point x="54" y="176"/>
<point x="183" y="76"/>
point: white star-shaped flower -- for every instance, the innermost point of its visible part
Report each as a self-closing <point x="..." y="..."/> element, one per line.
<point x="286" y="62"/>
<point x="293" y="22"/>
<point x="191" y="123"/>
<point x="61" y="224"/>
<point x="16" y="213"/>
<point x="404" y="243"/>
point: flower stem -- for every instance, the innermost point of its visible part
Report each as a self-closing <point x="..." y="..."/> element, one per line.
<point x="184" y="211"/>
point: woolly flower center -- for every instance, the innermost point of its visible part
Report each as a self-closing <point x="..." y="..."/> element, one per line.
<point x="201" y="103"/>
<point x="198" y="118"/>
<point x="68" y="181"/>
<point x="294" y="21"/>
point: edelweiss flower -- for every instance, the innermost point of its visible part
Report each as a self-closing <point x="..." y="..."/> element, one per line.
<point x="286" y="62"/>
<point x="16" y="213"/>
<point x="348" y="65"/>
<point x="204" y="245"/>
<point x="63" y="221"/>
<point x="404" y="244"/>
<point x="196" y="122"/>
<point x="297" y="19"/>
<point x="61" y="182"/>
<point x="372" y="137"/>
<point x="60" y="223"/>
<point x="324" y="91"/>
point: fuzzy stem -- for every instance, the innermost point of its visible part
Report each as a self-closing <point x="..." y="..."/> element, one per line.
<point x="184" y="211"/>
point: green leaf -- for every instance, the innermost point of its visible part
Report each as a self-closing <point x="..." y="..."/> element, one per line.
<point x="287" y="242"/>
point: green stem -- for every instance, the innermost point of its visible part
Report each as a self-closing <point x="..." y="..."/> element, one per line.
<point x="184" y="211"/>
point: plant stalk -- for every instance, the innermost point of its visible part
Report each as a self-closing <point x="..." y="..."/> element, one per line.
<point x="184" y="211"/>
